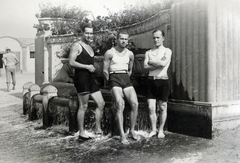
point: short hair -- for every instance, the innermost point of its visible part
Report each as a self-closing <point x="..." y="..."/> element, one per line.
<point x="8" y="49"/>
<point x="86" y="25"/>
<point x="158" y="30"/>
<point x="122" y="32"/>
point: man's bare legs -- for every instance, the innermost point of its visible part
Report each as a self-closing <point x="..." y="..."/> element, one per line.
<point x="120" y="104"/>
<point x="98" y="99"/>
<point x="83" y="105"/>
<point x="152" y="116"/>
<point x="13" y="74"/>
<point x="162" y="118"/>
<point x="8" y="87"/>
<point x="8" y="79"/>
<point x="131" y="96"/>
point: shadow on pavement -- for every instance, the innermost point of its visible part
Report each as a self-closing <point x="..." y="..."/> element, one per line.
<point x="3" y="89"/>
<point x="18" y="95"/>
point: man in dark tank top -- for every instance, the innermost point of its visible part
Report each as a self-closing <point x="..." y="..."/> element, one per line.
<point x="82" y="58"/>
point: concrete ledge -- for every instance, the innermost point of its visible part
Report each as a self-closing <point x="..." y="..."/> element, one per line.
<point x="225" y="110"/>
<point x="189" y="118"/>
<point x="226" y="116"/>
<point x="202" y="119"/>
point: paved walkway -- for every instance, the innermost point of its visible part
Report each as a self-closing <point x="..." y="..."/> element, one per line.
<point x="14" y="96"/>
<point x="23" y="141"/>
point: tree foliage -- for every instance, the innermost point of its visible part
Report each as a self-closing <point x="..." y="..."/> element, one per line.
<point x="73" y="17"/>
<point x="131" y="14"/>
<point x="105" y="25"/>
<point x="49" y="10"/>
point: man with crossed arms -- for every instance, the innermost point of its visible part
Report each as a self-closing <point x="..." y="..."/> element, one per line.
<point x="157" y="61"/>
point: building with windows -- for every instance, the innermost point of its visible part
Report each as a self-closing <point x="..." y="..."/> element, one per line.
<point x="24" y="48"/>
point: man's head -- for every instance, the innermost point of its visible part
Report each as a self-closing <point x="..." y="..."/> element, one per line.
<point x="87" y="33"/>
<point x="8" y="50"/>
<point x="158" y="37"/>
<point x="122" y="39"/>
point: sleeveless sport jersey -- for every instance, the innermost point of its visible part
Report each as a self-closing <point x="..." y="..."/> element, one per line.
<point x="119" y="63"/>
<point x="84" y="79"/>
<point x="84" y="58"/>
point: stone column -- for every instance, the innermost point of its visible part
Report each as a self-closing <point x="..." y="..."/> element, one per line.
<point x="73" y="109"/>
<point x="46" y="57"/>
<point x="26" y="100"/>
<point x="46" y="64"/>
<point x="26" y="87"/>
<point x="24" y="58"/>
<point x="48" y="92"/>
<point x="34" y="89"/>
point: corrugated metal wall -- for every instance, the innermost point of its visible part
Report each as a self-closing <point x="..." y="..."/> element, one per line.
<point x="227" y="50"/>
<point x="188" y="26"/>
<point x="141" y="33"/>
<point x="205" y="44"/>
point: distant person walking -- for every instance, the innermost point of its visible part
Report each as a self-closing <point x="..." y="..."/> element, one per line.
<point x="157" y="61"/>
<point x="10" y="61"/>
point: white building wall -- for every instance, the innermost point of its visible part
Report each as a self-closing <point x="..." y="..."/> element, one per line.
<point x="30" y="62"/>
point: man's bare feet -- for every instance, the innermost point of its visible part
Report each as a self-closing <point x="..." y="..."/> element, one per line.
<point x="99" y="132"/>
<point x="83" y="135"/>
<point x="152" y="133"/>
<point x="134" y="136"/>
<point x="124" y="141"/>
<point x="161" y="135"/>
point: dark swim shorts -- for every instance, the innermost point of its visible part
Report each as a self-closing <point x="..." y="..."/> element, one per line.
<point x="119" y="80"/>
<point x="158" y="89"/>
<point x="85" y="83"/>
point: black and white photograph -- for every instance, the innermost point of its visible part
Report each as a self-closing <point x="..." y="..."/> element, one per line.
<point x="120" y="81"/>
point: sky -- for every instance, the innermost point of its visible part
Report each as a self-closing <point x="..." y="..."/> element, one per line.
<point x="17" y="17"/>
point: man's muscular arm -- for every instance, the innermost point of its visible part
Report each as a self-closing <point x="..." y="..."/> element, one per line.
<point x="106" y="64"/>
<point x="131" y="62"/>
<point x="74" y="51"/>
<point x="164" y="60"/>
<point x="146" y="65"/>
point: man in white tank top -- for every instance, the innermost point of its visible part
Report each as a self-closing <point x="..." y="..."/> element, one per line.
<point x="118" y="63"/>
<point x="157" y="61"/>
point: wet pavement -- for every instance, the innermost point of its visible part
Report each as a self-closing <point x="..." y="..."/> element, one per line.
<point x="24" y="141"/>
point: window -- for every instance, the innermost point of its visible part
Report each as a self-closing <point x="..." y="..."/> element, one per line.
<point x="1" y="62"/>
<point x="32" y="54"/>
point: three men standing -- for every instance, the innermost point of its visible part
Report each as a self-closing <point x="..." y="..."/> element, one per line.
<point x="117" y="69"/>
